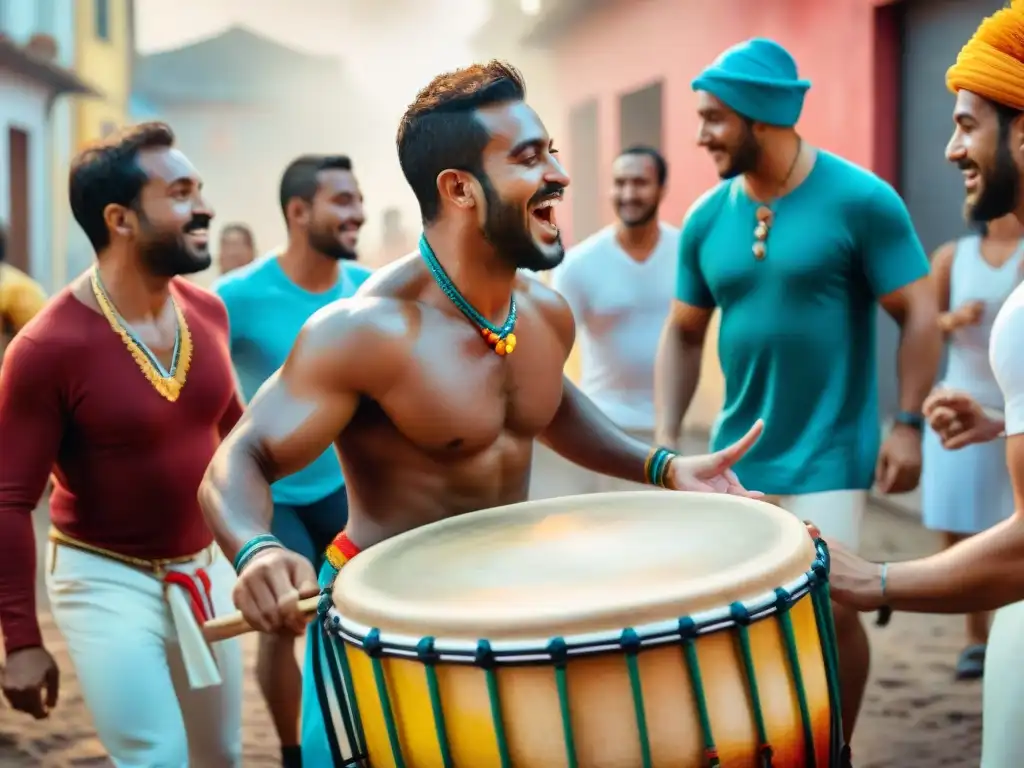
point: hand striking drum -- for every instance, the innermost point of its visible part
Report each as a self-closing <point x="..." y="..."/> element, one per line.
<point x="433" y="382"/>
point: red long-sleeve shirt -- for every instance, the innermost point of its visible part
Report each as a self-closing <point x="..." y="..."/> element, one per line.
<point x="126" y="462"/>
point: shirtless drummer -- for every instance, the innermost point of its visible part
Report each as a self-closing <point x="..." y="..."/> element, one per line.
<point x="436" y="379"/>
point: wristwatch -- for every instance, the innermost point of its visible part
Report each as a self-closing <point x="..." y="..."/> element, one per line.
<point x="910" y="419"/>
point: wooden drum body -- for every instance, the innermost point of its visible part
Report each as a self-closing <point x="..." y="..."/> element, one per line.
<point x="627" y="630"/>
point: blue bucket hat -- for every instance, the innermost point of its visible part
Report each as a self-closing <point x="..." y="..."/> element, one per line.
<point x="757" y="79"/>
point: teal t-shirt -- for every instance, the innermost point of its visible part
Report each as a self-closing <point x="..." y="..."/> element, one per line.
<point x="797" y="334"/>
<point x="266" y="311"/>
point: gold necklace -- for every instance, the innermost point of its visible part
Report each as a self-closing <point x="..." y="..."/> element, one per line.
<point x="169" y="386"/>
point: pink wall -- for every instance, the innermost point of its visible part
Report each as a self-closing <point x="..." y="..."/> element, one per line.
<point x="633" y="43"/>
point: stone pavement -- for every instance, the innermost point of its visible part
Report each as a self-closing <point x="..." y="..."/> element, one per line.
<point x="914" y="716"/>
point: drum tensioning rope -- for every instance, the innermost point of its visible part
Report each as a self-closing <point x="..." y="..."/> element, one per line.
<point x="631" y="642"/>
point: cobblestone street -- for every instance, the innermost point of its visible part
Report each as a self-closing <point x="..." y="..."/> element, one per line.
<point x="914" y="717"/>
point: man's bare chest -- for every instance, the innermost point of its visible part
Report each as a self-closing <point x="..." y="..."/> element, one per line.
<point x="459" y="395"/>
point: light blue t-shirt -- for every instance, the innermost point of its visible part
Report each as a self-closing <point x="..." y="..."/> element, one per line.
<point x="266" y="311"/>
<point x="797" y="335"/>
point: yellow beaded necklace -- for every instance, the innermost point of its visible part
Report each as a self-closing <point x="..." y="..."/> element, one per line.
<point x="168" y="384"/>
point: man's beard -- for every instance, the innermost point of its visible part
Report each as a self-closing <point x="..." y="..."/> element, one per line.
<point x="324" y="239"/>
<point x="745" y="158"/>
<point x="169" y="255"/>
<point x="1000" y="189"/>
<point x="506" y="230"/>
<point x="642" y="219"/>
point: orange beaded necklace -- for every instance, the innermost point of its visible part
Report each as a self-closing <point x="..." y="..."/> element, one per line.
<point x="499" y="338"/>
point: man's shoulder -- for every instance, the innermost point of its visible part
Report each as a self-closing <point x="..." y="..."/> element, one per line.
<point x="670" y="232"/>
<point x="60" y="330"/>
<point x="247" y="279"/>
<point x="375" y="332"/>
<point x="549" y="304"/>
<point x="845" y="179"/>
<point x="385" y="306"/>
<point x="355" y="270"/>
<point x="706" y="207"/>
<point x="355" y="275"/>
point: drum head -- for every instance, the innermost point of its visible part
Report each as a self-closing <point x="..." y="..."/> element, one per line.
<point x="573" y="565"/>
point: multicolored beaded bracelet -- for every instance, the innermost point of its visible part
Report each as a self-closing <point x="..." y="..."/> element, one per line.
<point x="657" y="464"/>
<point x="253" y="546"/>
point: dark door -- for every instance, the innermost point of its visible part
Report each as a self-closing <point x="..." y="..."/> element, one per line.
<point x="19" y="229"/>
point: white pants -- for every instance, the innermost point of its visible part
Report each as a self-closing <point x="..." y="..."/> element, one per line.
<point x="1002" y="737"/>
<point x="838" y="514"/>
<point x="122" y="642"/>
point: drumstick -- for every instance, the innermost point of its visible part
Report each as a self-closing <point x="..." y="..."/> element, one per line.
<point x="234" y="624"/>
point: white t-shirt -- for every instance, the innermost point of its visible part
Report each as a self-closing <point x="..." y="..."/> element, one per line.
<point x="620" y="306"/>
<point x="1006" y="356"/>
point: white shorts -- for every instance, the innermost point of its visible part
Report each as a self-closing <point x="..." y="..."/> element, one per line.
<point x="838" y="514"/>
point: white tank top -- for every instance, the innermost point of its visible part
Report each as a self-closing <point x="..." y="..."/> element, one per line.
<point x="974" y="279"/>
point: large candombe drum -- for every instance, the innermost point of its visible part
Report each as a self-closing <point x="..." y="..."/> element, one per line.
<point x="625" y="630"/>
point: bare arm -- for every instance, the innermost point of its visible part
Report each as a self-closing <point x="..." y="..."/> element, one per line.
<point x="293" y="419"/>
<point x="581" y="433"/>
<point x="942" y="267"/>
<point x="985" y="571"/>
<point x="980" y="574"/>
<point x="915" y="309"/>
<point x="677" y="368"/>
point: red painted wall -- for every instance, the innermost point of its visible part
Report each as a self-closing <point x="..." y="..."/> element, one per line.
<point x="633" y="43"/>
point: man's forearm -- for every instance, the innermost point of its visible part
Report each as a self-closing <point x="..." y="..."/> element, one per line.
<point x="676" y="374"/>
<point x="235" y="496"/>
<point x="581" y="433"/>
<point x="982" y="573"/>
<point x="18" y="618"/>
<point x="918" y="358"/>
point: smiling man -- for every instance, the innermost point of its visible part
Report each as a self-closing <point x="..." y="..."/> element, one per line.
<point x="797" y="247"/>
<point x="435" y="381"/>
<point x="268" y="302"/>
<point x="122" y="388"/>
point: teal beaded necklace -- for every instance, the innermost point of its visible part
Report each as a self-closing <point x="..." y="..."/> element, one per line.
<point x="500" y="338"/>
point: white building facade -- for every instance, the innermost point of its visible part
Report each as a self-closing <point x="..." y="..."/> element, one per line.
<point x="36" y="58"/>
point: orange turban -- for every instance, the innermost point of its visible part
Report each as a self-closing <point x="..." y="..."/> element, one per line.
<point x="992" y="63"/>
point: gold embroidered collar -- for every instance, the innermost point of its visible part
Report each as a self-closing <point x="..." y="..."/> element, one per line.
<point x="168" y="383"/>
